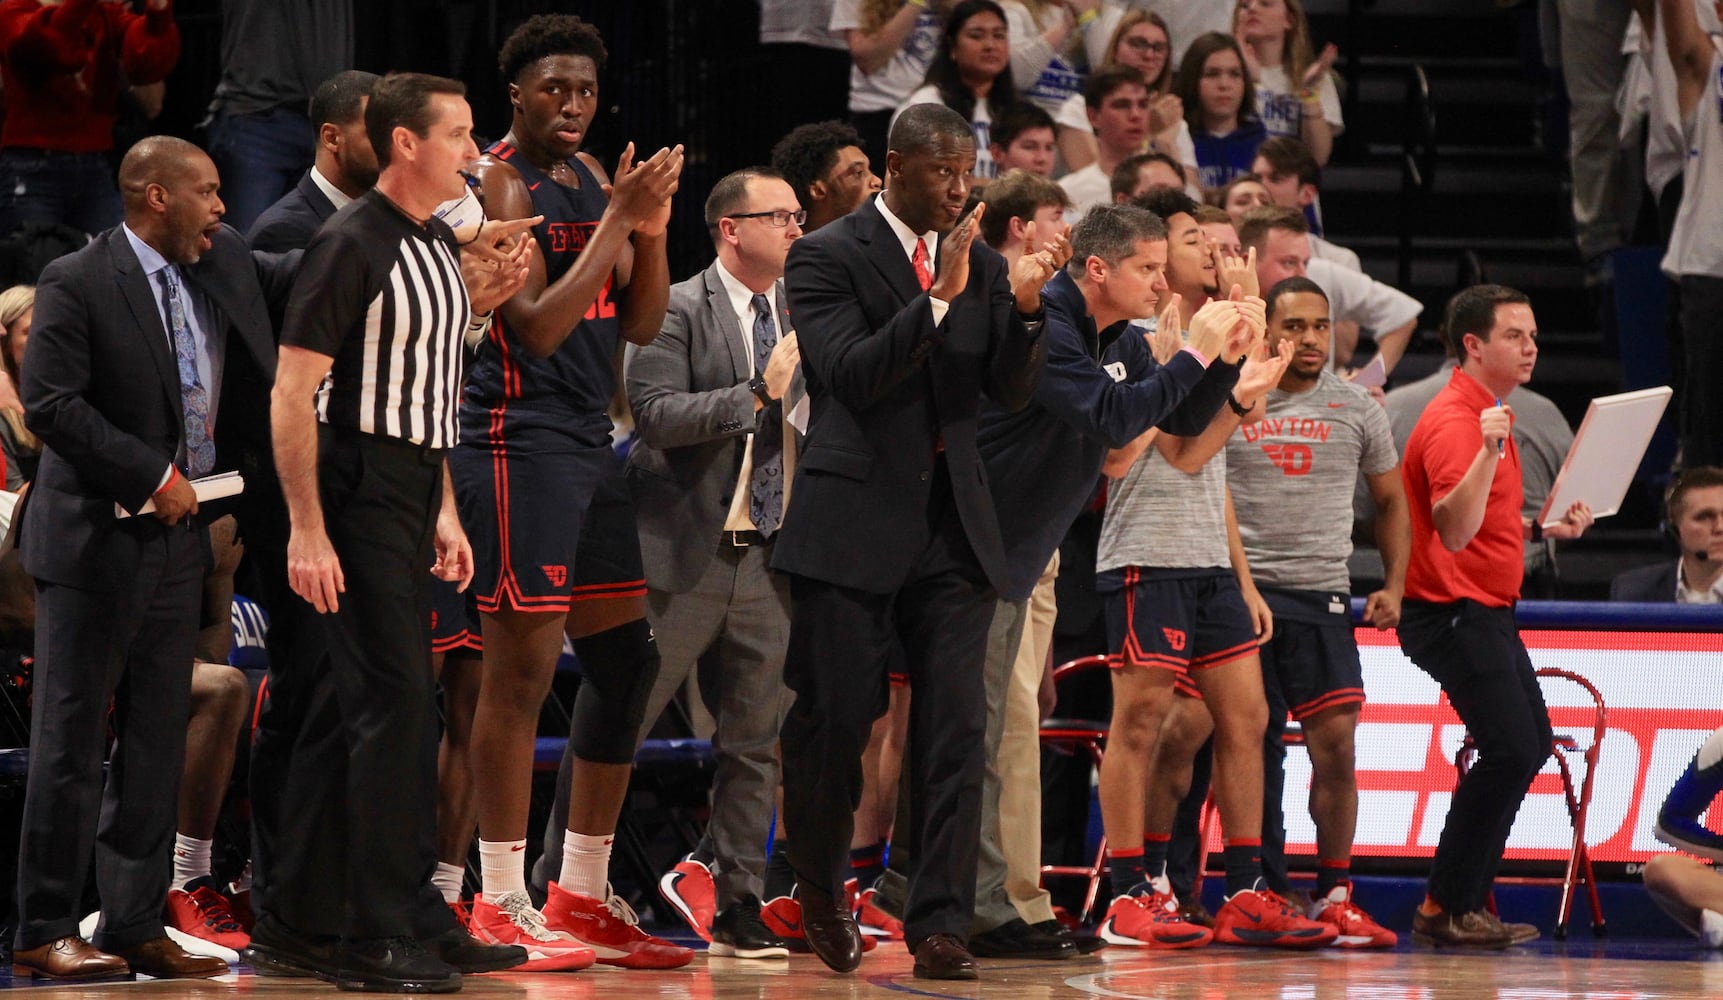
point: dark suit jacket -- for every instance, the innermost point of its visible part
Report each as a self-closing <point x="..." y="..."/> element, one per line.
<point x="101" y="390"/>
<point x="1654" y="584"/>
<point x="290" y="223"/>
<point x="692" y="413"/>
<point x="885" y="384"/>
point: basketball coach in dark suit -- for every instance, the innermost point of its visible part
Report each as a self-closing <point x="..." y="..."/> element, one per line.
<point x="135" y="339"/>
<point x="892" y="537"/>
<point x="345" y="168"/>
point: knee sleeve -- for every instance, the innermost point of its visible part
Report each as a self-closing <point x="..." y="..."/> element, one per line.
<point x="617" y="670"/>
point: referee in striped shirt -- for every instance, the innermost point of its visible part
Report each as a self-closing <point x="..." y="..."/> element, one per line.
<point x="363" y="412"/>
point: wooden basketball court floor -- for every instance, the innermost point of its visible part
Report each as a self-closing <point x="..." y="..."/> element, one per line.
<point x="1617" y="971"/>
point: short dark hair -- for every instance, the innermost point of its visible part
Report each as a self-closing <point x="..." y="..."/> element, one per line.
<point x="340" y="99"/>
<point x="807" y="153"/>
<point x="1016" y="194"/>
<point x="544" y="35"/>
<point x="1473" y="310"/>
<point x="730" y="194"/>
<point x="1112" y="232"/>
<point x="1018" y="119"/>
<point x="1123" y="180"/>
<point x="1290" y="286"/>
<point x="921" y="127"/>
<point x="1107" y="79"/>
<point x="1287" y="155"/>
<point x="1166" y="202"/>
<point x="1697" y="478"/>
<point x="1253" y="229"/>
<point x="403" y="100"/>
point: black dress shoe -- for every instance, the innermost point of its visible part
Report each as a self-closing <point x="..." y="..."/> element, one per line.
<point x="830" y="929"/>
<point x="279" y="951"/>
<point x="942" y="956"/>
<point x="468" y="954"/>
<point x="1016" y="939"/>
<point x="393" y="965"/>
<point x="1085" y="943"/>
<point x="738" y="932"/>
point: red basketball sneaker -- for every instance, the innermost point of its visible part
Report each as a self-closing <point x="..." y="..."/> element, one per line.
<point x="1260" y="918"/>
<point x="1354" y="927"/>
<point x="691" y="892"/>
<point x="610" y="928"/>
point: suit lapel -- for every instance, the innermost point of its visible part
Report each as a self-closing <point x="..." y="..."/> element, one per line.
<point x="885" y="253"/>
<point x="718" y="301"/>
<point x="314" y="197"/>
<point x="134" y="285"/>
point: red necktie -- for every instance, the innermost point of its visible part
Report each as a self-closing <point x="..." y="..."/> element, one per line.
<point x="923" y="274"/>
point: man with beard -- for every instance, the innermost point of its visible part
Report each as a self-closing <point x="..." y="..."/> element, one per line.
<point x="826" y="167"/>
<point x="346" y="166"/>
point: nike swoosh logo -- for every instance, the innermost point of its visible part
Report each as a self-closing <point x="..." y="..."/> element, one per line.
<point x="533" y="187"/>
<point x="609" y="840"/>
<point x="517" y="847"/>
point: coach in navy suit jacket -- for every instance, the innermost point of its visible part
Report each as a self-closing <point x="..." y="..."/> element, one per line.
<point x="346" y="166"/>
<point x="118" y="598"/>
<point x="892" y="537"/>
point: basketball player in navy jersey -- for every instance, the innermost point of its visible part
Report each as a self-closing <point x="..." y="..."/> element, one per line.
<point x="542" y="494"/>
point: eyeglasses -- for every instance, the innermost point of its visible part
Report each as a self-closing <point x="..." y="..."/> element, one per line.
<point x="777" y="219"/>
<point x="1144" y="45"/>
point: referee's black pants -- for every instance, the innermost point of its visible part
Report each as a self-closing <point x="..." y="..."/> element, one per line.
<point x="1475" y="653"/>
<point x="357" y="809"/>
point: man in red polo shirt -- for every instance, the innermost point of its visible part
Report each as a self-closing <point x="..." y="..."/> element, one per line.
<point x="1462" y="474"/>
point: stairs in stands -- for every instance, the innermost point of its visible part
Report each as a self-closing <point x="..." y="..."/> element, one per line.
<point x="1495" y="193"/>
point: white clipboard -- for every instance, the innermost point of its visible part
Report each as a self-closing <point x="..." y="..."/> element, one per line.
<point x="1606" y="451"/>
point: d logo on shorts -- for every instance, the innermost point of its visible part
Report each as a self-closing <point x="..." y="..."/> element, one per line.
<point x="557" y="575"/>
<point x="1175" y="639"/>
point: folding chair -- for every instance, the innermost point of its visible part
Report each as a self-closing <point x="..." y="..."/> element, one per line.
<point x="1579" y="868"/>
<point x="1078" y="736"/>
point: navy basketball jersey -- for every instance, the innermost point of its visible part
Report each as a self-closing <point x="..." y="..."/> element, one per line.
<point x="569" y="391"/>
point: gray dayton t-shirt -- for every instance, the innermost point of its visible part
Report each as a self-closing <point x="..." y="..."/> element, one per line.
<point x="1292" y="475"/>
<point x="1162" y="518"/>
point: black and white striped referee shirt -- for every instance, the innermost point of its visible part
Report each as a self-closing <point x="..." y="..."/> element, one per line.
<point x="382" y="295"/>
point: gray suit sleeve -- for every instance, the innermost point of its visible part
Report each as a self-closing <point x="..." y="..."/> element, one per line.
<point x="668" y="411"/>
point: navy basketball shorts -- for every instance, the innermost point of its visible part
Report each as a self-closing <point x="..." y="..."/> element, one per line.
<point x="1312" y="658"/>
<point x="1178" y="620"/>
<point x="453" y="623"/>
<point x="536" y="505"/>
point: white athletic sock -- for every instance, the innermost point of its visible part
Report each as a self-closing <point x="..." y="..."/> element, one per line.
<point x="1711" y="928"/>
<point x="585" y="864"/>
<point x="502" y="864"/>
<point x="448" y="881"/>
<point x="190" y="859"/>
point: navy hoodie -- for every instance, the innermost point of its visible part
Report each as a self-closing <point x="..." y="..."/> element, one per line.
<point x="1101" y="390"/>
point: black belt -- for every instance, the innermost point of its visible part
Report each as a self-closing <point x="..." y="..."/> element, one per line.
<point x="745" y="539"/>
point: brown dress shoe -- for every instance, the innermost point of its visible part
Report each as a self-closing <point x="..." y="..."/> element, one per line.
<point x="942" y="956"/>
<point x="71" y="959"/>
<point x="830" y="929"/>
<point x="161" y="958"/>
<point x="1478" y="929"/>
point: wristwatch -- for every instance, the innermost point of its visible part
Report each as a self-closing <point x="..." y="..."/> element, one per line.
<point x="757" y="386"/>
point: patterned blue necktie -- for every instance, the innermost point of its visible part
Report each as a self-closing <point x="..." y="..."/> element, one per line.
<point x="766" y="488"/>
<point x="199" y="449"/>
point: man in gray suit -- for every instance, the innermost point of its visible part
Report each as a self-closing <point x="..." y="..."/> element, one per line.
<point x="709" y="472"/>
